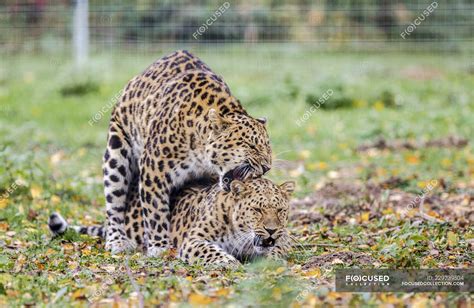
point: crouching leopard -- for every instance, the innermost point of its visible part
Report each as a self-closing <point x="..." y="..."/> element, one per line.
<point x="176" y="121"/>
<point x="212" y="226"/>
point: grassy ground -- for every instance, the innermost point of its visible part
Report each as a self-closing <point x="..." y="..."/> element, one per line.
<point x="352" y="207"/>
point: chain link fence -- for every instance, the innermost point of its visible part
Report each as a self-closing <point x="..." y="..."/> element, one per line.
<point x="128" y="26"/>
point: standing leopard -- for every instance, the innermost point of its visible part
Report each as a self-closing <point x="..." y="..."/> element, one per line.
<point x="212" y="226"/>
<point x="176" y="121"/>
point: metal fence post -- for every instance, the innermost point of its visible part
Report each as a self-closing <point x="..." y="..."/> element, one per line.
<point x="81" y="32"/>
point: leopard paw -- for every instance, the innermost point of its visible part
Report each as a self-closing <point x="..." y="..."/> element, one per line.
<point x="155" y="251"/>
<point x="227" y="262"/>
<point x="120" y="245"/>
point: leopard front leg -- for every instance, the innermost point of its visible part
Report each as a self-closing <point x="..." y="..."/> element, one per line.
<point x="199" y="251"/>
<point x="155" y="186"/>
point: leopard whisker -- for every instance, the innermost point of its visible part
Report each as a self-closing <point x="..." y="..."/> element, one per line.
<point x="241" y="237"/>
<point x="244" y="243"/>
<point x="295" y="240"/>
<point x="237" y="241"/>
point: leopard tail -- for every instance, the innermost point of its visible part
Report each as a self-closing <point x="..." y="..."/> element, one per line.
<point x="58" y="225"/>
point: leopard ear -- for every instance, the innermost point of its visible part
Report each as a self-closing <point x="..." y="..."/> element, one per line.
<point x="288" y="188"/>
<point x="237" y="187"/>
<point x="218" y="123"/>
<point x="262" y="120"/>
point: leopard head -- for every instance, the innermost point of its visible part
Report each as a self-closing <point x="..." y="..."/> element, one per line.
<point x="238" y="147"/>
<point x="260" y="213"/>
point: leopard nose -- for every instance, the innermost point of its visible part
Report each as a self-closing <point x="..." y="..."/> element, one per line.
<point x="265" y="169"/>
<point x="270" y="231"/>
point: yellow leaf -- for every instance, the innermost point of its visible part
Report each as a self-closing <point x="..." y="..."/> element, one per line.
<point x="433" y="214"/>
<point x="422" y="184"/>
<point x="359" y="103"/>
<point x="380" y="171"/>
<point x="365" y="216"/>
<point x="452" y="239"/>
<point x="389" y="298"/>
<point x="420" y="302"/>
<point x="55" y="200"/>
<point x="68" y="247"/>
<point x="378" y="105"/>
<point x="3" y="203"/>
<point x="280" y="270"/>
<point x="276" y="293"/>
<point x="305" y="154"/>
<point x="174" y="298"/>
<point x="412" y="159"/>
<point x="313" y="273"/>
<point x="322" y="165"/>
<point x="317" y="166"/>
<point x="199" y="299"/>
<point x="35" y="192"/>
<point x="446" y="162"/>
<point x="57" y="157"/>
<point x="222" y="292"/>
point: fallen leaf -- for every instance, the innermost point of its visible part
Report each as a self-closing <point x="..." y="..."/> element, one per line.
<point x="222" y="292"/>
<point x="305" y="154"/>
<point x="78" y="294"/>
<point x="3" y="203"/>
<point x="199" y="299"/>
<point x="313" y="273"/>
<point x="276" y="293"/>
<point x="57" y="157"/>
<point x="452" y="239"/>
<point x="32" y="214"/>
<point x="35" y="192"/>
<point x="4" y="226"/>
<point x="379" y="105"/>
<point x="412" y="159"/>
<point x="55" y="200"/>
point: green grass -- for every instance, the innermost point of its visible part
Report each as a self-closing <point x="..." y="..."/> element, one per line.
<point x="51" y="150"/>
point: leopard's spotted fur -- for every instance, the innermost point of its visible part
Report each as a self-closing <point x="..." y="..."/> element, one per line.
<point x="215" y="227"/>
<point x="175" y="121"/>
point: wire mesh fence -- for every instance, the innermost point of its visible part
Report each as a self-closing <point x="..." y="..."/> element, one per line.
<point x="128" y="26"/>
